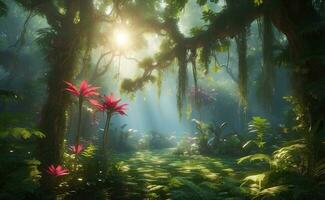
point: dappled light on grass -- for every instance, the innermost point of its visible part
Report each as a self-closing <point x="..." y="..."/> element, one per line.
<point x="162" y="174"/>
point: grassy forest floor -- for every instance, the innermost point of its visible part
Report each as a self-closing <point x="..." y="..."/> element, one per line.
<point x="163" y="175"/>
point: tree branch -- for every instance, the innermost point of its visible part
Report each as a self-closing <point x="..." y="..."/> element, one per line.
<point x="228" y="23"/>
<point x="46" y="8"/>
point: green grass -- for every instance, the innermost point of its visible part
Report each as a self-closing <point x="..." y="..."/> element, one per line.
<point x="163" y="175"/>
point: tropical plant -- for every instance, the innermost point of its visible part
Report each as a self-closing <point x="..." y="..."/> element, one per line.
<point x="260" y="127"/>
<point x="18" y="166"/>
<point x="291" y="157"/>
<point x="209" y="139"/>
<point x="187" y="146"/>
<point x="84" y="91"/>
<point x="77" y="149"/>
<point x="110" y="106"/>
<point x="286" y="174"/>
<point x="217" y="131"/>
<point x="231" y="144"/>
<point x="57" y="171"/>
<point x="185" y="189"/>
<point x="255" y="157"/>
<point x="203" y="134"/>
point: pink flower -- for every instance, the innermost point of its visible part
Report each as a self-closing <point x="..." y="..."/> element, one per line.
<point x="84" y="90"/>
<point x="57" y="171"/>
<point x="77" y="148"/>
<point x="109" y="104"/>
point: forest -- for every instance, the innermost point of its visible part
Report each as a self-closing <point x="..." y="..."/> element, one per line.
<point x="162" y="99"/>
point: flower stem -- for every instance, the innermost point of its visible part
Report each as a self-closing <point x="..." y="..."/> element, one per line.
<point x="79" y="121"/>
<point x="106" y="130"/>
<point x="105" y="142"/>
<point x="78" y="130"/>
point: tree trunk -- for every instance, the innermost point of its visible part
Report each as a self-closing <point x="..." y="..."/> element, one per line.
<point x="300" y="22"/>
<point x="62" y="58"/>
<point x="268" y="69"/>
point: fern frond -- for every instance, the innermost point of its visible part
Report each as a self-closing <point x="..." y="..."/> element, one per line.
<point x="89" y="151"/>
<point x="256" y="179"/>
<point x="255" y="157"/>
<point x="319" y="170"/>
<point x="189" y="190"/>
<point x="273" y="191"/>
<point x="22" y="133"/>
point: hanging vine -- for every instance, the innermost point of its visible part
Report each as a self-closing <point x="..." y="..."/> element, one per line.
<point x="182" y="79"/>
<point x="194" y="73"/>
<point x="241" y="41"/>
<point x="159" y="82"/>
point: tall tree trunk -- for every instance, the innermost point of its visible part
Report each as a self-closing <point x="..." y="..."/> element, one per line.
<point x="301" y="24"/>
<point x="268" y="72"/>
<point x="62" y="59"/>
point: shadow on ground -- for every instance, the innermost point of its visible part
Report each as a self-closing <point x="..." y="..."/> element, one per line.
<point x="163" y="175"/>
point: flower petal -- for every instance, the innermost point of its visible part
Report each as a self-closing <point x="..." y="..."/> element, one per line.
<point x="73" y="92"/>
<point x="97" y="104"/>
<point x="83" y="86"/>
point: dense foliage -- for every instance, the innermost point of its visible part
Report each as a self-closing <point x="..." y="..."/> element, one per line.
<point x="246" y="79"/>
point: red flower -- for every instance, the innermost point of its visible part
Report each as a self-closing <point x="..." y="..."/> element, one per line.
<point x="109" y="104"/>
<point x="85" y="90"/>
<point x="77" y="148"/>
<point x="57" y="171"/>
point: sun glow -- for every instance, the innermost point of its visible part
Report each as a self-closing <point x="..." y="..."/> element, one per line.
<point x="122" y="38"/>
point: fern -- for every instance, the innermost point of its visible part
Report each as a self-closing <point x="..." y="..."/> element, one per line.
<point x="188" y="190"/>
<point x="89" y="152"/>
<point x="260" y="127"/>
<point x="19" y="133"/>
<point x="255" y="157"/>
<point x="272" y="191"/>
<point x="256" y="181"/>
<point x="18" y="169"/>
<point x="319" y="170"/>
<point x="290" y="157"/>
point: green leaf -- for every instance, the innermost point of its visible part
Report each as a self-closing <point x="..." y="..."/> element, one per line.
<point x="247" y="143"/>
<point x="19" y="133"/>
<point x="258" y="2"/>
<point x="256" y="179"/>
<point x="89" y="151"/>
<point x="255" y="157"/>
<point x="273" y="191"/>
